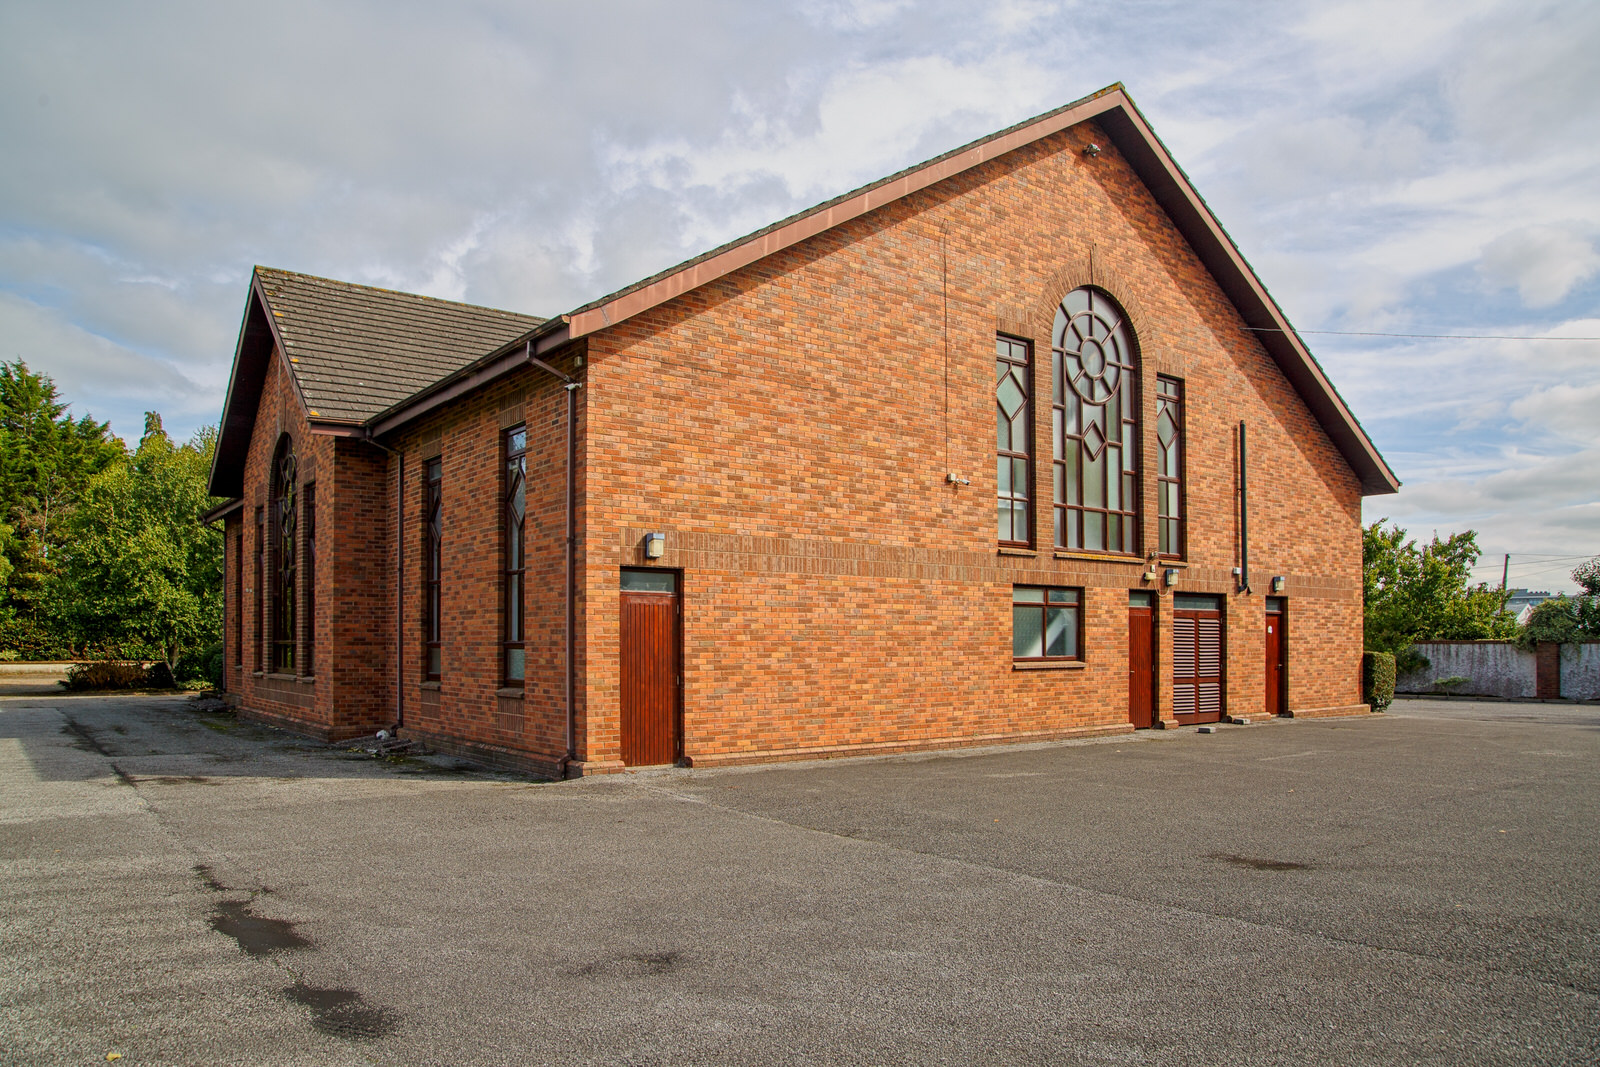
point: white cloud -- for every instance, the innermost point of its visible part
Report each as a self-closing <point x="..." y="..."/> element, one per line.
<point x="1543" y="263"/>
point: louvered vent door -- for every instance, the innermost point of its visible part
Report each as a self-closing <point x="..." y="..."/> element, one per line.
<point x="1197" y="657"/>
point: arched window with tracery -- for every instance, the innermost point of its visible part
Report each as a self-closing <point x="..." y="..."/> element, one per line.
<point x="1095" y="416"/>
<point x="284" y="565"/>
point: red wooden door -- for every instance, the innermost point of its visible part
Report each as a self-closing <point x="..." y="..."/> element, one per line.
<point x="1141" y="660"/>
<point x="650" y="674"/>
<point x="1196" y="660"/>
<point x="1276" y="655"/>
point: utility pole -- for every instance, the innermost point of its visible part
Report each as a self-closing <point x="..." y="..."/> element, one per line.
<point x="1505" y="568"/>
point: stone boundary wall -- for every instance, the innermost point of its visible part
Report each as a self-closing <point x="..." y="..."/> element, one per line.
<point x="1498" y="668"/>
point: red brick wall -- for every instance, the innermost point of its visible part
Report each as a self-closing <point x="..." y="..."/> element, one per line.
<point x="349" y="691"/>
<point x="786" y="427"/>
<point x="469" y="708"/>
<point x="790" y="427"/>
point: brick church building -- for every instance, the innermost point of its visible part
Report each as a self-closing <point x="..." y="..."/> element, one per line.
<point x="1012" y="445"/>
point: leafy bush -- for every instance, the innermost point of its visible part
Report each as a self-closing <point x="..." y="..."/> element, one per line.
<point x="159" y="676"/>
<point x="1450" y="684"/>
<point x="106" y="674"/>
<point x="214" y="669"/>
<point x="1562" y="619"/>
<point x="195" y="665"/>
<point x="1377" y="679"/>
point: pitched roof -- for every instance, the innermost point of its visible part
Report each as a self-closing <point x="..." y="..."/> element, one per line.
<point x="377" y="358"/>
<point x="1114" y="110"/>
<point x="352" y="352"/>
<point x="356" y="350"/>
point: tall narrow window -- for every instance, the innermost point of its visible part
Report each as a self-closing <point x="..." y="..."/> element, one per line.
<point x="1169" y="472"/>
<point x="258" y="617"/>
<point x="238" y="598"/>
<point x="1094" y="410"/>
<point x="285" y="515"/>
<point x="309" y="615"/>
<point x="1014" y="445"/>
<point x="433" y="532"/>
<point x="515" y="509"/>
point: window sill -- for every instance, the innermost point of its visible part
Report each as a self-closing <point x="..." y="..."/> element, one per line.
<point x="1011" y="550"/>
<point x="1100" y="557"/>
<point x="1049" y="665"/>
<point x="510" y="692"/>
<point x="435" y="686"/>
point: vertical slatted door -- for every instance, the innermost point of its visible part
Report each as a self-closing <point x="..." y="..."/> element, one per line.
<point x="649" y="671"/>
<point x="1197" y="665"/>
<point x="1141" y="665"/>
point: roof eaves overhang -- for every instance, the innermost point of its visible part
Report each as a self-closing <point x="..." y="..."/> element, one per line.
<point x="1115" y="111"/>
<point x="539" y="342"/>
<point x="221" y="511"/>
<point x="259" y="337"/>
<point x="1177" y="195"/>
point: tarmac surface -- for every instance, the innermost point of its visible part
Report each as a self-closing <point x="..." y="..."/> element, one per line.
<point x="1417" y="887"/>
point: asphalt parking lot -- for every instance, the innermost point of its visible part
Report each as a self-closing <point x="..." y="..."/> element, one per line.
<point x="1417" y="887"/>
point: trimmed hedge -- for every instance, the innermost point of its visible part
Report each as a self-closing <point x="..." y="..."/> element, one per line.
<point x="1377" y="679"/>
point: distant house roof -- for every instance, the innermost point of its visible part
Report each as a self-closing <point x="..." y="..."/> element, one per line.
<point x="372" y="359"/>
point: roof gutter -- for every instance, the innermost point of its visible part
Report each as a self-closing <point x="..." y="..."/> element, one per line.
<point x="221" y="511"/>
<point x="570" y="560"/>
<point x="541" y="341"/>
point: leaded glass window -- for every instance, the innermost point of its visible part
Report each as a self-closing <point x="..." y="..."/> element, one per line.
<point x="1094" y="431"/>
<point x="433" y="532"/>
<point x="1014" y="433"/>
<point x="514" y="505"/>
<point x="285" y="516"/>
<point x="1169" y="465"/>
<point x="308" y="507"/>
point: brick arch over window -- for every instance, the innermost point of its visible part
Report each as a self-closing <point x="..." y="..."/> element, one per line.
<point x="283" y="538"/>
<point x="1095" y="407"/>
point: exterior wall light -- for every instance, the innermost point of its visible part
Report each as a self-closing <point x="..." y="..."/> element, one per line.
<point x="1091" y="150"/>
<point x="1277" y="583"/>
<point x="655" y="545"/>
<point x="1172" y="576"/>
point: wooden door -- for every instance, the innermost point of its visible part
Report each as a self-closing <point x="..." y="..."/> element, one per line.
<point x="1141" y="659"/>
<point x="1197" y="659"/>
<point x="1276" y="656"/>
<point x="651" y="617"/>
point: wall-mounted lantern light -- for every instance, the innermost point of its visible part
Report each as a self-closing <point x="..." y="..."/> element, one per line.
<point x="1091" y="150"/>
<point x="1277" y="583"/>
<point x="1172" y="576"/>
<point x="655" y="545"/>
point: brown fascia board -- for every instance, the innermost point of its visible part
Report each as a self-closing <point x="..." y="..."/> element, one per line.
<point x="540" y="341"/>
<point x="256" y="339"/>
<point x="1177" y="195"/>
<point x="221" y="511"/>
<point x="1114" y="110"/>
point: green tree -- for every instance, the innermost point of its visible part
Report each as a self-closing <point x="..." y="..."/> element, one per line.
<point x="1422" y="593"/>
<point x="1567" y="619"/>
<point x="46" y="461"/>
<point x="142" y="575"/>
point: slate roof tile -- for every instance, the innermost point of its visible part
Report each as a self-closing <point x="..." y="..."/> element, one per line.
<point x="356" y="350"/>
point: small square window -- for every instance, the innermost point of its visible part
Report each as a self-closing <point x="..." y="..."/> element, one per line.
<point x="1046" y="623"/>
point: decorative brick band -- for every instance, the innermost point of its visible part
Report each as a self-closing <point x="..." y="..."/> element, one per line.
<point x="889" y="748"/>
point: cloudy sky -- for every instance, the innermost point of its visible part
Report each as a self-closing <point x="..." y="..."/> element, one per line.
<point x="1388" y="166"/>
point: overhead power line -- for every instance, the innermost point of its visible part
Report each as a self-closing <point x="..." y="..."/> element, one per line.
<point x="1426" y="336"/>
